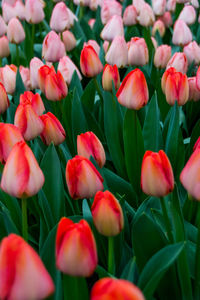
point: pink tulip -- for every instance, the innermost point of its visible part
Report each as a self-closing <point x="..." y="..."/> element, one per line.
<point x="4" y="47"/>
<point x="113" y="28"/>
<point x="69" y="40"/>
<point x="159" y="7"/>
<point x="194" y="93"/>
<point x="3" y="27"/>
<point x="53" y="48"/>
<point x="8" y="78"/>
<point x="179" y="62"/>
<point x="146" y="15"/>
<point x="67" y="68"/>
<point x="60" y="18"/>
<point x="160" y="27"/>
<point x="34" y="11"/>
<point x="117" y="54"/>
<point x="15" y="31"/>
<point x="35" y="64"/>
<point x="109" y="9"/>
<point x="130" y="15"/>
<point x="162" y="56"/>
<point x="182" y="34"/>
<point x="188" y="15"/>
<point x="4" y="101"/>
<point x="138" y="53"/>
<point x="192" y="52"/>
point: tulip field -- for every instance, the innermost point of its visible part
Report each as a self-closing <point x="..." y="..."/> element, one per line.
<point x="100" y="150"/>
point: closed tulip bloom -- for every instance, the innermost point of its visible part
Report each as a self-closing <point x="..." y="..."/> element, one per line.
<point x="83" y="179"/>
<point x="113" y="28"/>
<point x="3" y="27"/>
<point x="13" y="10"/>
<point x="23" y="274"/>
<point x="4" y="101"/>
<point x="195" y="3"/>
<point x="8" y="78"/>
<point x="138" y="4"/>
<point x="157" y="178"/>
<point x="171" y="5"/>
<point x="162" y="56"/>
<point x="198" y="79"/>
<point x="89" y="62"/>
<point x="105" y="46"/>
<point x="22" y="176"/>
<point x="190" y="175"/>
<point x="67" y="68"/>
<point x="107" y="214"/>
<point x="35" y="65"/>
<point x="25" y="75"/>
<point x="52" y="48"/>
<point x="82" y="2"/>
<point x="9" y="136"/>
<point x="69" y="40"/>
<point x="110" y="75"/>
<point x="138" y="53"/>
<point x="188" y="15"/>
<point x="182" y="34"/>
<point x="115" y="289"/>
<point x="60" y="18"/>
<point x="167" y="19"/>
<point x="94" y="44"/>
<point x="159" y="7"/>
<point x="160" y="27"/>
<point x="53" y="131"/>
<point x="133" y="92"/>
<point x="15" y="31"/>
<point x="110" y="9"/>
<point x="4" y="47"/>
<point x="76" y="252"/>
<point x="179" y="62"/>
<point x="34" y="11"/>
<point x="93" y="4"/>
<point x="88" y="145"/>
<point x="192" y="52"/>
<point x="130" y="15"/>
<point x="52" y="84"/>
<point x="117" y="53"/>
<point x="146" y="16"/>
<point x="194" y="93"/>
<point x="35" y="100"/>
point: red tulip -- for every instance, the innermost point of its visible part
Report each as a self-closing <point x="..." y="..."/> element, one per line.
<point x="89" y="62"/>
<point x="4" y="101"/>
<point x="110" y="74"/>
<point x="35" y="100"/>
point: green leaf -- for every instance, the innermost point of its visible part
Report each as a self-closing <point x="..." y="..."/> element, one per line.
<point x="76" y="84"/>
<point x="88" y="96"/>
<point x="156" y="268"/>
<point x="20" y="88"/>
<point x="130" y="270"/>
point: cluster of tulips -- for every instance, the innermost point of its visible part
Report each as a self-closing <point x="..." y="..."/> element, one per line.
<point x="99" y="118"/>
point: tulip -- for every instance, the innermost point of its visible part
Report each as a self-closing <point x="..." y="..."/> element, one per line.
<point x="146" y="16"/>
<point x="3" y="27"/>
<point x="160" y="27"/>
<point x="8" y="78"/>
<point x="182" y="34"/>
<point x="175" y="87"/>
<point x="35" y="64"/>
<point x="88" y="145"/>
<point x="69" y="40"/>
<point x="91" y="23"/>
<point x="188" y="15"/>
<point x="138" y="53"/>
<point x="198" y="79"/>
<point x="117" y="54"/>
<point x="13" y="10"/>
<point x="35" y="100"/>
<point x="154" y="42"/>
<point x="93" y="4"/>
<point x="72" y="17"/>
<point x="113" y="28"/>
<point x="157" y="177"/>
<point x="105" y="46"/>
<point x="167" y="19"/>
<point x="4" y="101"/>
<point x="25" y="75"/>
<point x="133" y="92"/>
<point x="179" y="62"/>
<point x="110" y="9"/>
<point x="53" y="131"/>
<point x="22" y="176"/>
<point x="67" y="68"/>
<point x="82" y="2"/>
<point x="114" y="289"/>
<point x="60" y="18"/>
<point x="190" y="175"/>
<point x="192" y="52"/>
<point x="83" y="180"/>
<point x="171" y="5"/>
<point x="195" y="3"/>
<point x="162" y="56"/>
<point x="130" y="15"/>
<point x="197" y="144"/>
<point x="34" y="12"/>
<point x="76" y="252"/>
<point x="52" y="48"/>
<point x="23" y="274"/>
<point x="89" y="62"/>
<point x="94" y="44"/>
<point x="110" y="74"/>
<point x="4" y="47"/>
<point x="52" y="84"/>
<point x="15" y="31"/>
<point x="194" y="93"/>
<point x="159" y="7"/>
<point x="107" y="214"/>
<point x="138" y="5"/>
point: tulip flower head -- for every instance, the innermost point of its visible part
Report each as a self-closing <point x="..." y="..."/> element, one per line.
<point x="110" y="74"/>
<point x="117" y="54"/>
<point x="4" y="101"/>
<point x="34" y="11"/>
<point x="179" y="62"/>
<point x="194" y="92"/>
<point x="162" y="56"/>
<point x="53" y="48"/>
<point x="130" y="15"/>
<point x="138" y="53"/>
<point x="4" y="47"/>
<point x="15" y="31"/>
<point x="60" y="18"/>
<point x="182" y="34"/>
<point x="89" y="62"/>
<point x="8" y="78"/>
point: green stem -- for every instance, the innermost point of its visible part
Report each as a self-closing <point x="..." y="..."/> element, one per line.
<point x="33" y="38"/>
<point x="17" y="54"/>
<point x="98" y="89"/>
<point x="166" y="219"/>
<point x="197" y="263"/>
<point x="24" y="219"/>
<point x="81" y="12"/>
<point x="111" y="255"/>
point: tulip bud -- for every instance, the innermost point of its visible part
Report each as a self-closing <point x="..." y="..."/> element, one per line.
<point x="88" y="145"/>
<point x="4" y="101"/>
<point x="182" y="34"/>
<point x="94" y="44"/>
<point x="16" y="9"/>
<point x="190" y="175"/>
<point x="114" y="289"/>
<point x="83" y="179"/>
<point x="52" y="84"/>
<point x="195" y="3"/>
<point x="34" y="12"/>
<point x="130" y="15"/>
<point x="157" y="178"/>
<point x="107" y="214"/>
<point x="179" y="62"/>
<point x="15" y="31"/>
<point x="188" y="15"/>
<point x="35" y="64"/>
<point x="35" y="101"/>
<point x="192" y="52"/>
<point x="8" y="78"/>
<point x="146" y="16"/>
<point x="133" y="92"/>
<point x="22" y="176"/>
<point x="159" y="7"/>
<point x="162" y="56"/>
<point x="194" y="93"/>
<point x="93" y="4"/>
<point x="175" y="87"/>
<point x="138" y="5"/>
<point x="113" y="28"/>
<point x="167" y="19"/>
<point x="110" y="9"/>
<point x="91" y="23"/>
<point x="89" y="62"/>
<point x="76" y="252"/>
<point x="3" y="27"/>
<point x="69" y="40"/>
<point x="138" y="53"/>
<point x="53" y="131"/>
<point x="160" y="27"/>
<point x="60" y="18"/>
<point x="52" y="48"/>
<point x="117" y="54"/>
<point x="171" y="5"/>
<point x="67" y="68"/>
<point x="23" y="274"/>
<point x="25" y="75"/>
<point x="110" y="74"/>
